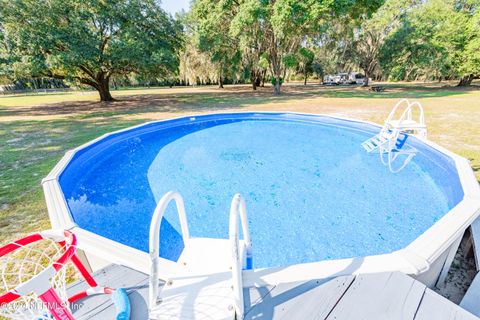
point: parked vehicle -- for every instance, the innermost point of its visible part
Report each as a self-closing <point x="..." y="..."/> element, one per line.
<point x="356" y="78"/>
<point x="329" y="80"/>
<point x="344" y="78"/>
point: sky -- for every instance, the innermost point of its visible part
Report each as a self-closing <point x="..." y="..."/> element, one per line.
<point x="173" y="6"/>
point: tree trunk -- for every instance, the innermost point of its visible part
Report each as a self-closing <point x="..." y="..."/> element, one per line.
<point x="277" y="85"/>
<point x="103" y="88"/>
<point x="264" y="75"/>
<point x="367" y="79"/>
<point x="306" y="75"/>
<point x="253" y="79"/>
<point x="105" y="93"/>
<point x="220" y="78"/>
<point x="258" y="78"/>
<point x="465" y="81"/>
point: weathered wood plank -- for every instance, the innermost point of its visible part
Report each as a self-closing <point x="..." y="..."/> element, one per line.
<point x="471" y="300"/>
<point x="448" y="262"/>
<point x="475" y="232"/>
<point x="115" y="276"/>
<point x="380" y="296"/>
<point x="307" y="300"/>
<point x="434" y="306"/>
<point x="254" y="295"/>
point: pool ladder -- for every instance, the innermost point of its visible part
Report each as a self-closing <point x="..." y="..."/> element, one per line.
<point x="388" y="143"/>
<point x="209" y="279"/>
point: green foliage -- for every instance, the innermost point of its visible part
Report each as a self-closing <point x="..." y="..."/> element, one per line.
<point x="306" y="55"/>
<point x="317" y="68"/>
<point x="92" y="41"/>
<point x="305" y="59"/>
<point x="274" y="81"/>
<point x="290" y="60"/>
<point x="210" y="20"/>
<point x="471" y="55"/>
<point x="5" y="58"/>
<point x="280" y="27"/>
<point x="368" y="33"/>
<point x="438" y="39"/>
<point x="196" y="66"/>
<point x="263" y="61"/>
<point x="89" y="41"/>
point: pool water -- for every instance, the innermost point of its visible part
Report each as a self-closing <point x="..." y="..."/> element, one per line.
<point x="312" y="191"/>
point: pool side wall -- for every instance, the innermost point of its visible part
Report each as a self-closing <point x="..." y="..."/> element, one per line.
<point x="427" y="258"/>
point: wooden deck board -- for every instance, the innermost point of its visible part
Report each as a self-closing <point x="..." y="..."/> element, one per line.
<point x="254" y="296"/>
<point x="308" y="300"/>
<point x="471" y="300"/>
<point x="475" y="231"/>
<point x="100" y="307"/>
<point x="380" y="296"/>
<point x="368" y="297"/>
<point x="434" y="306"/>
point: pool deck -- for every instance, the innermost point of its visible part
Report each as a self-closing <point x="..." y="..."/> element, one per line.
<point x="368" y="296"/>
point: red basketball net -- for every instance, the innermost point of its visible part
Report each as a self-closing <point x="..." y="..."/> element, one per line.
<point x="32" y="276"/>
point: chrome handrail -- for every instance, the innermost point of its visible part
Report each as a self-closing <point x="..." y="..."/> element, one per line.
<point x="238" y="209"/>
<point x="154" y="239"/>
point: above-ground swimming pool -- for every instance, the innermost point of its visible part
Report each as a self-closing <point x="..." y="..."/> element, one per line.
<point x="312" y="192"/>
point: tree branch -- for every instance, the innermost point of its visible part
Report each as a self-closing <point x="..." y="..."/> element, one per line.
<point x="87" y="71"/>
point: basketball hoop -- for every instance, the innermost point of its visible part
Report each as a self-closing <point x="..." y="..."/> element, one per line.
<point x="32" y="277"/>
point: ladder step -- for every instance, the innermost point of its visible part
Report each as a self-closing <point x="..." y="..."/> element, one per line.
<point x="374" y="142"/>
<point x="207" y="255"/>
<point x="197" y="297"/>
<point x="202" y="287"/>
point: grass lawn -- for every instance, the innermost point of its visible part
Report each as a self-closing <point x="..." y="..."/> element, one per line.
<point x="36" y="130"/>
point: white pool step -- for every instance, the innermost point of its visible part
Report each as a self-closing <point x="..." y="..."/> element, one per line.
<point x="374" y="142"/>
<point x="406" y="125"/>
<point x="202" y="288"/>
<point x="207" y="255"/>
<point x="197" y="297"/>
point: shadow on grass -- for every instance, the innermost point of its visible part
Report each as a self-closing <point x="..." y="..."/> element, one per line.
<point x="223" y="99"/>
